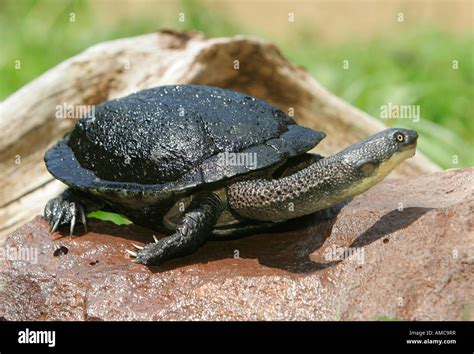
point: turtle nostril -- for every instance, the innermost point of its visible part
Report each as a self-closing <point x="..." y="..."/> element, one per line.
<point x="411" y="137"/>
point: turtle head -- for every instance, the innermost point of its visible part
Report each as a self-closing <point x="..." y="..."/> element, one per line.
<point x="373" y="159"/>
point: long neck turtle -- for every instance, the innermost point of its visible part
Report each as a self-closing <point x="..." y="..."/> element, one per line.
<point x="199" y="161"/>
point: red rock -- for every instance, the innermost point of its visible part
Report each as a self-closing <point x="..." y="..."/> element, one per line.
<point x="418" y="264"/>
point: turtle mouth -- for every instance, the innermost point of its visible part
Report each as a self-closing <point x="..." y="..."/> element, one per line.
<point x="401" y="155"/>
<point x="410" y="148"/>
<point x="410" y="142"/>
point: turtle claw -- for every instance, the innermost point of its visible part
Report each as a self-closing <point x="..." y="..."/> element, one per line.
<point x="148" y="254"/>
<point x="63" y="210"/>
<point x="136" y="246"/>
<point x="135" y="254"/>
<point x="73" y="219"/>
<point x="155" y="238"/>
<point x="83" y="218"/>
<point x="131" y="253"/>
<point x="54" y="227"/>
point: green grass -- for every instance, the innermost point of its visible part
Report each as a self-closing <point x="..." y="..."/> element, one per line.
<point x="107" y="216"/>
<point x="415" y="68"/>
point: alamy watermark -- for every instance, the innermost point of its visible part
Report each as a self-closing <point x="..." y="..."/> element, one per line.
<point x="71" y="111"/>
<point x="400" y="111"/>
<point x="336" y="253"/>
<point x="247" y="159"/>
<point x="20" y="253"/>
<point x="37" y="337"/>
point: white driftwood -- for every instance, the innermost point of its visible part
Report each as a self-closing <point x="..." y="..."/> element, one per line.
<point x="28" y="125"/>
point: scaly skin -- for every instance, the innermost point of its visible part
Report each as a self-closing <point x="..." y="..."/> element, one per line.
<point x="325" y="182"/>
<point x="192" y="232"/>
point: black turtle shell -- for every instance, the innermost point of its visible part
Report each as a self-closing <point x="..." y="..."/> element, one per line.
<point x="171" y="138"/>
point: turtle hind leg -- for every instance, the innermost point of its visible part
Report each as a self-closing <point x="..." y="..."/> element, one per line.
<point x="69" y="208"/>
<point x="191" y="233"/>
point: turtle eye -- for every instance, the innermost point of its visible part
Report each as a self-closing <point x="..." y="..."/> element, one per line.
<point x="400" y="137"/>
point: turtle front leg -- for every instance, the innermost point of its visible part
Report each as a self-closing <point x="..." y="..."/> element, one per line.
<point x="192" y="232"/>
<point x="68" y="208"/>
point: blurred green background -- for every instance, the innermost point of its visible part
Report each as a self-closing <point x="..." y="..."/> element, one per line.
<point x="406" y="60"/>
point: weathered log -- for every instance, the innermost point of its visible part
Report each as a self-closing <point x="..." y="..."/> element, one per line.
<point x="28" y="124"/>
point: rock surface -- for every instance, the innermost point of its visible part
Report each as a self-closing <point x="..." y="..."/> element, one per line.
<point x="412" y="244"/>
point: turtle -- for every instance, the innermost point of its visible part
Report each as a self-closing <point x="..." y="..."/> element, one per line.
<point x="197" y="162"/>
